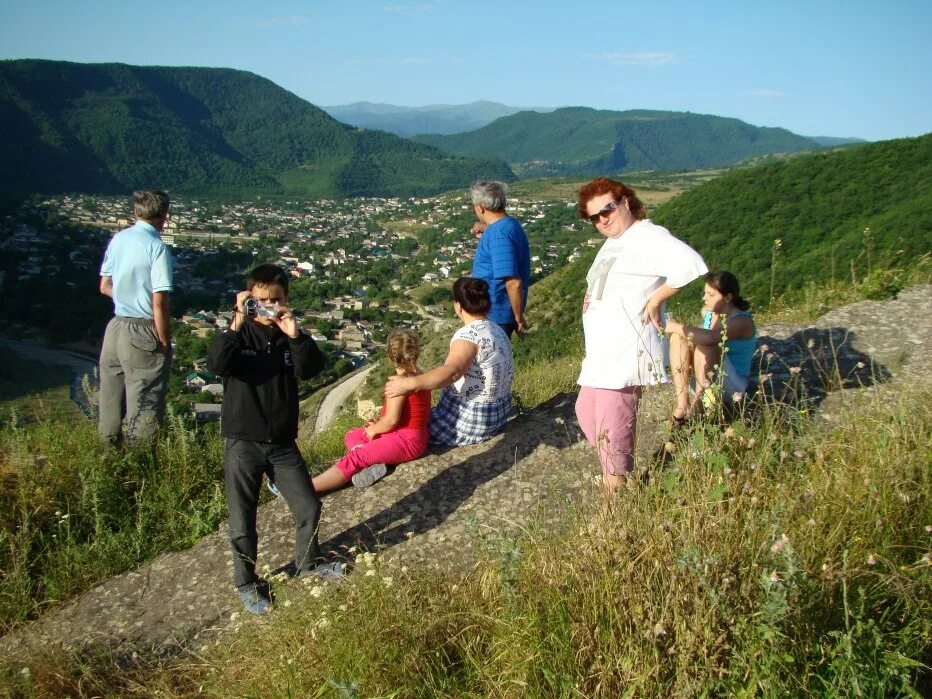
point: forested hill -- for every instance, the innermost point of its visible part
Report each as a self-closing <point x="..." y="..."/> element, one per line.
<point x="583" y="141"/>
<point x="109" y="128"/>
<point x="818" y="206"/>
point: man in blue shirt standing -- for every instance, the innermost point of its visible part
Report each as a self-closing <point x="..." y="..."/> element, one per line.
<point x="135" y="359"/>
<point x="503" y="258"/>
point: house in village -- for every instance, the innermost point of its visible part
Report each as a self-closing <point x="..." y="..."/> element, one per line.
<point x="198" y="379"/>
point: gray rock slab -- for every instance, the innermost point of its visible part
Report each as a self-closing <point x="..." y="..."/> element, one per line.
<point x="440" y="510"/>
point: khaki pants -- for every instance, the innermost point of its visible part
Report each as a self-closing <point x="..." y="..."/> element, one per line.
<point x="133" y="378"/>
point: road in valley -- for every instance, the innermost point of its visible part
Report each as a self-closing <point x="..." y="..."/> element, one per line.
<point x="337" y="397"/>
<point x="81" y="365"/>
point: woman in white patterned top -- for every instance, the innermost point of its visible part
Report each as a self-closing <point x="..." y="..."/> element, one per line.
<point x="476" y="376"/>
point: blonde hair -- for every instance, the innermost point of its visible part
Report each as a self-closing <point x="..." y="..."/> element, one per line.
<point x="403" y="347"/>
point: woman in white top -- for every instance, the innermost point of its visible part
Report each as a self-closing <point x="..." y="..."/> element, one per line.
<point x="477" y="373"/>
<point x="638" y="268"/>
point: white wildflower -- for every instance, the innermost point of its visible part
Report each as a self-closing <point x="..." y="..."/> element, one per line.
<point x="317" y="591"/>
<point x="370" y="572"/>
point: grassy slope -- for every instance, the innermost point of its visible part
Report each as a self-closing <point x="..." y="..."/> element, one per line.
<point x="784" y="558"/>
<point x="715" y="598"/>
<point x="818" y="206"/>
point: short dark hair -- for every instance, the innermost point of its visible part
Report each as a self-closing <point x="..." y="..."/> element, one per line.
<point x="150" y="203"/>
<point x="266" y="275"/>
<point x="473" y="295"/>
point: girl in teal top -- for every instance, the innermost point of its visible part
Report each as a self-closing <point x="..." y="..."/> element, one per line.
<point x="698" y="350"/>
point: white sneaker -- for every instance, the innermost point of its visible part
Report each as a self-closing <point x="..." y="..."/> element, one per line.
<point x="370" y="475"/>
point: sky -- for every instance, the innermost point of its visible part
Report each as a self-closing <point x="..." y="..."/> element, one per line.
<point x="857" y="68"/>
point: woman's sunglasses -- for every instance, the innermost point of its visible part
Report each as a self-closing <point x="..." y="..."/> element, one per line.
<point x="605" y="211"/>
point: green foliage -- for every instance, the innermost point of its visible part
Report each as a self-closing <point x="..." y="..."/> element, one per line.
<point x="72" y="514"/>
<point x="819" y="207"/>
<point x="111" y="128"/>
<point x="583" y="141"/>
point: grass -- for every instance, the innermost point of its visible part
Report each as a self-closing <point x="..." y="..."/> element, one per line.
<point x="783" y="557"/>
<point x="73" y="513"/>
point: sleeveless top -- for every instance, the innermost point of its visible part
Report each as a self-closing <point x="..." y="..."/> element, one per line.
<point x="740" y="350"/>
<point x="416" y="411"/>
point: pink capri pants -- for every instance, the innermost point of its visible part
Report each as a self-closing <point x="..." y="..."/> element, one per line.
<point x="608" y="418"/>
<point x="389" y="448"/>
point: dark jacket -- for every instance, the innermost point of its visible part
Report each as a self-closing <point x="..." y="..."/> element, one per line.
<point x="260" y="387"/>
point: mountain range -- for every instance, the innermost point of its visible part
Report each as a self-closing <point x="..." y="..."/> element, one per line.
<point x="429" y="119"/>
<point x="110" y="128"/>
<point x="582" y="141"/>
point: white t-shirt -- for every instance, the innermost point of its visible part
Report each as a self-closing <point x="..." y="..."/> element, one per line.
<point x="489" y="376"/>
<point x="620" y="351"/>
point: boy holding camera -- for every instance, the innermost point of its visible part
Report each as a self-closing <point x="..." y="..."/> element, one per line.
<point x="260" y="358"/>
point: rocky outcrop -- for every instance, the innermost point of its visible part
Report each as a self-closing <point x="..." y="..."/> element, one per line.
<point x="440" y="510"/>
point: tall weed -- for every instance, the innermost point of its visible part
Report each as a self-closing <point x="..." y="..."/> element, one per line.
<point x="781" y="558"/>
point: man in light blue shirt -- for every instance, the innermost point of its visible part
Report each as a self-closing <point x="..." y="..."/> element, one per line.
<point x="503" y="258"/>
<point x="135" y="359"/>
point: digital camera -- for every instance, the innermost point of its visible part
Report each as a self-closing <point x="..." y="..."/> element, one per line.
<point x="254" y="308"/>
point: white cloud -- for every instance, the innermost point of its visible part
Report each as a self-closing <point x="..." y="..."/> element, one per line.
<point x="650" y="59"/>
<point x="292" y="21"/>
<point x="765" y="94"/>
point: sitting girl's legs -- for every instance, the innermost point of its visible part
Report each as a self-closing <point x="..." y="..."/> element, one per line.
<point x="356" y="437"/>
<point x="705" y="359"/>
<point x="389" y="448"/>
<point x="680" y="364"/>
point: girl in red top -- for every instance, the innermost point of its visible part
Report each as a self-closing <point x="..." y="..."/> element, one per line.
<point x="399" y="435"/>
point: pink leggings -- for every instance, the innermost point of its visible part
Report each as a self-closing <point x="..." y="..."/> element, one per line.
<point x="389" y="448"/>
<point x="608" y="418"/>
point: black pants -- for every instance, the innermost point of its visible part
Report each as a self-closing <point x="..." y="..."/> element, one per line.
<point x="509" y="328"/>
<point x="244" y="463"/>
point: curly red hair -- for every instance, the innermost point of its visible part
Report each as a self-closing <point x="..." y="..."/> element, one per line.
<point x="604" y="185"/>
